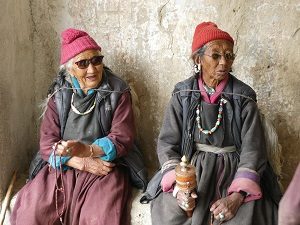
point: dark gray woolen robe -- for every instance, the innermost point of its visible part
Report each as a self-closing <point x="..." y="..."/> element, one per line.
<point x="215" y="172"/>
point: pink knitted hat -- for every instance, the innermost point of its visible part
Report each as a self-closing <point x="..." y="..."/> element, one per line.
<point x="74" y="42"/>
<point x="206" y="32"/>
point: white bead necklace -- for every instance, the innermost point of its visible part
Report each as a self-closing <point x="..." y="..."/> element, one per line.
<point x="75" y="110"/>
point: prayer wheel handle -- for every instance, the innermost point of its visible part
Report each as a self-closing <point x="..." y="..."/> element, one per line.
<point x="186" y="182"/>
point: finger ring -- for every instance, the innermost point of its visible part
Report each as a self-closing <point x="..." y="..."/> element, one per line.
<point x="68" y="150"/>
<point x="221" y="215"/>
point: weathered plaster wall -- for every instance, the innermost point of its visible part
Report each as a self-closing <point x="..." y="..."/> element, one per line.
<point x="148" y="44"/>
<point x="17" y="122"/>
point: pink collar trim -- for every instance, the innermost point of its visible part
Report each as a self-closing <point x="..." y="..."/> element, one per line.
<point x="215" y="96"/>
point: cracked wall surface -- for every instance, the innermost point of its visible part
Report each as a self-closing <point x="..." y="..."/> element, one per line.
<point x="148" y="43"/>
<point x="17" y="119"/>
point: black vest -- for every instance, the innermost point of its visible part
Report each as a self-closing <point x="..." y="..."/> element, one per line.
<point x="107" y="97"/>
<point x="190" y="100"/>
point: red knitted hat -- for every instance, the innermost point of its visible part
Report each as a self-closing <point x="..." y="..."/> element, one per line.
<point x="74" y="42"/>
<point x="206" y="32"/>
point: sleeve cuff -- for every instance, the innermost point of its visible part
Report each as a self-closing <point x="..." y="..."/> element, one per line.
<point x="168" y="181"/>
<point x="55" y="162"/>
<point x="247" y="181"/>
<point x="108" y="148"/>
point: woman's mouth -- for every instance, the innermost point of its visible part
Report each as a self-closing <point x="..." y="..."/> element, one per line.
<point x="91" y="78"/>
<point x="222" y="72"/>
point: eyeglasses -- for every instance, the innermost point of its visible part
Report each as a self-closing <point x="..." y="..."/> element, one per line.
<point x="229" y="56"/>
<point x="95" y="61"/>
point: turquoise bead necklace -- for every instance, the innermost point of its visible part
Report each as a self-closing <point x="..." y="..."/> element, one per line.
<point x="218" y="122"/>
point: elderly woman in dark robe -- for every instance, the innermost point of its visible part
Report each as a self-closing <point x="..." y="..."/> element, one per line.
<point x="87" y="125"/>
<point x="213" y="119"/>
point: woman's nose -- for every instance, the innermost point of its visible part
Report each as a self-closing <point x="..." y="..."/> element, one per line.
<point x="222" y="60"/>
<point x="91" y="68"/>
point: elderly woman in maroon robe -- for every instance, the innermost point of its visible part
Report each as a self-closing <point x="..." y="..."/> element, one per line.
<point x="87" y="125"/>
<point x="213" y="119"/>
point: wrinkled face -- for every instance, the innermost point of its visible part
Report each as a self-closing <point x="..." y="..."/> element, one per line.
<point x="217" y="60"/>
<point x="87" y="67"/>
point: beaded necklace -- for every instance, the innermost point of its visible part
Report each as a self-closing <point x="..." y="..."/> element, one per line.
<point x="75" y="110"/>
<point x="218" y="122"/>
<point x="60" y="189"/>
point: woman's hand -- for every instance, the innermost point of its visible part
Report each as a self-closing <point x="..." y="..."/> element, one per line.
<point x="186" y="201"/>
<point x="225" y="208"/>
<point x="96" y="166"/>
<point x="73" y="148"/>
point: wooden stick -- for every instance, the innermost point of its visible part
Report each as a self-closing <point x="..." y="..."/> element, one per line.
<point x="6" y="200"/>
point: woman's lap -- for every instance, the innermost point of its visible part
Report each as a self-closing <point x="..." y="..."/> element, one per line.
<point x="165" y="210"/>
<point x="109" y="204"/>
<point x="90" y="199"/>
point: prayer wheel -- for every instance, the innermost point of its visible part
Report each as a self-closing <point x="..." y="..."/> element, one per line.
<point x="186" y="182"/>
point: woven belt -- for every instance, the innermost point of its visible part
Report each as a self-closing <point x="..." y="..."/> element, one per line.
<point x="212" y="149"/>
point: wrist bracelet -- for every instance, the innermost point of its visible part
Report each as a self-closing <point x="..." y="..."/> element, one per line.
<point x="243" y="193"/>
<point x="84" y="163"/>
<point x="91" y="151"/>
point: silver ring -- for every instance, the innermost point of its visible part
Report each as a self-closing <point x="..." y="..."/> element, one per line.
<point x="221" y="216"/>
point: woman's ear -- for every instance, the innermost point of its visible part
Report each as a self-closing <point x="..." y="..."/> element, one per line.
<point x="197" y="60"/>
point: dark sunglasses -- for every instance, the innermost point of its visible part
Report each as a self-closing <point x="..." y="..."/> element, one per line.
<point x="217" y="56"/>
<point x="95" y="61"/>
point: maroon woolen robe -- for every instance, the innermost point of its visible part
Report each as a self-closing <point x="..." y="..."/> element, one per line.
<point x="90" y="199"/>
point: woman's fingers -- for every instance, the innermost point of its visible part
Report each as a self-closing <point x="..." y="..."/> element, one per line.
<point x="218" y="209"/>
<point x="71" y="142"/>
<point x="98" y="166"/>
<point x="194" y="195"/>
<point x="225" y="208"/>
<point x="60" y="149"/>
<point x="103" y="172"/>
<point x="214" y="206"/>
<point x="185" y="200"/>
<point x="108" y="164"/>
<point x="106" y="169"/>
<point x="72" y="148"/>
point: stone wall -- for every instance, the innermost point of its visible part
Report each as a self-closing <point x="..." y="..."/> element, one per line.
<point x="149" y="44"/>
<point x="17" y="119"/>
